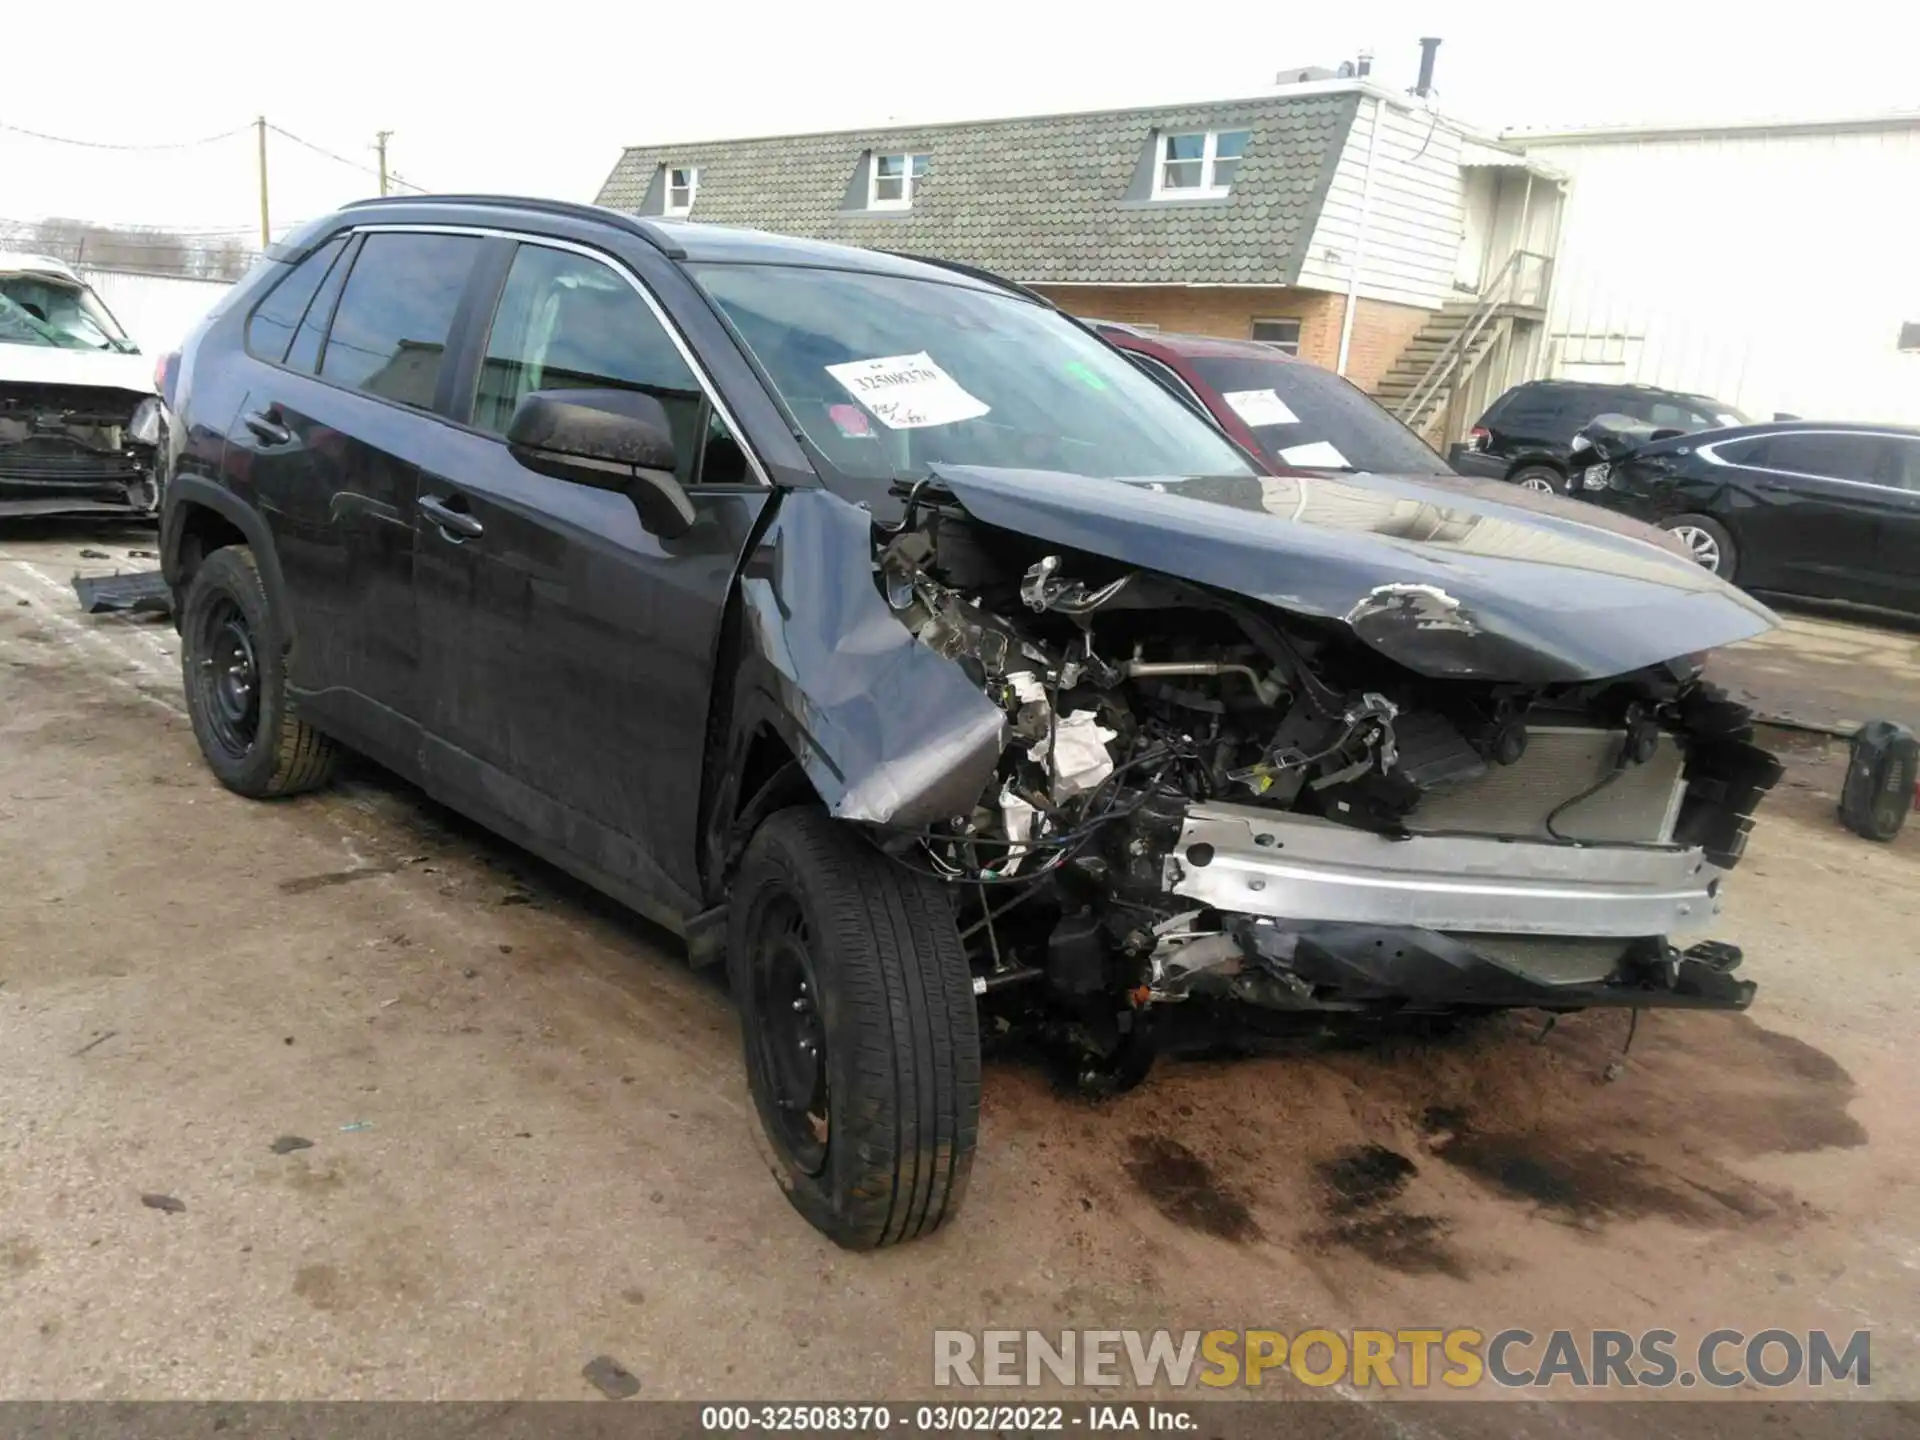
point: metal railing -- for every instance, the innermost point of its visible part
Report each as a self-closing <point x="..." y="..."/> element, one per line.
<point x="1522" y="280"/>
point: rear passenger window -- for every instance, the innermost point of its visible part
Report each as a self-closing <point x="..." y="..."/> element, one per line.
<point x="1745" y="452"/>
<point x="272" y="323"/>
<point x="566" y="322"/>
<point x="390" y="331"/>
<point x="1539" y="413"/>
<point x="305" y="354"/>
<point x="1835" y="457"/>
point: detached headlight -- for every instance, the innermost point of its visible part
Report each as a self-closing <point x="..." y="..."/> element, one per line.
<point x="1594" y="477"/>
<point x="145" y="426"/>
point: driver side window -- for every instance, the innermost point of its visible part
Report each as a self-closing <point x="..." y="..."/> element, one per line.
<point x="567" y="322"/>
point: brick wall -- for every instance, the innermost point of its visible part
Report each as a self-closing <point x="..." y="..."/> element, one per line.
<point x="1380" y="330"/>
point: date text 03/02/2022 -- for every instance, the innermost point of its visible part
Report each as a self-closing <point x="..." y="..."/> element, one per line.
<point x="945" y="1419"/>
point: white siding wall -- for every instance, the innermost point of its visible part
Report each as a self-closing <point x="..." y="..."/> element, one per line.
<point x="1416" y="220"/>
<point x="156" y="310"/>
<point x="1769" y="269"/>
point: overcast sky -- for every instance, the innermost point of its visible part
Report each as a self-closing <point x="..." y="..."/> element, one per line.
<point x="538" y="99"/>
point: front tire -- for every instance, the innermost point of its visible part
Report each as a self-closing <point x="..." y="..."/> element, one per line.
<point x="233" y="665"/>
<point x="1707" y="541"/>
<point x="861" y="1034"/>
<point x="1542" y="479"/>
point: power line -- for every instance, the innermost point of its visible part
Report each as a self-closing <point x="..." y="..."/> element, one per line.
<point x="109" y="145"/>
<point x="343" y="160"/>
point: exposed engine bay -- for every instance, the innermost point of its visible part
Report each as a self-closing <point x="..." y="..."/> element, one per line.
<point x="68" y="448"/>
<point x="1204" y="798"/>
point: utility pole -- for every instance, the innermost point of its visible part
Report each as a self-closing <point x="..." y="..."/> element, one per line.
<point x="266" y="231"/>
<point x="380" y="138"/>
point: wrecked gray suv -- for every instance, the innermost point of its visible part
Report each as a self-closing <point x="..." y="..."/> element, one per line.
<point x="886" y="634"/>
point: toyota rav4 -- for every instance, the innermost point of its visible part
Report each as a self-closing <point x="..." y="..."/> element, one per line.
<point x="890" y="637"/>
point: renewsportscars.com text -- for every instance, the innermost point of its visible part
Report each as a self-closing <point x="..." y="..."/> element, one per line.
<point x="1457" y="1359"/>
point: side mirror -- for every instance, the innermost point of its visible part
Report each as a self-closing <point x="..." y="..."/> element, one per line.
<point x="1783" y="415"/>
<point x="1667" y="433"/>
<point x="610" y="440"/>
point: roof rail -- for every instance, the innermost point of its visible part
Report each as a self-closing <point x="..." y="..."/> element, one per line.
<point x="976" y="273"/>
<point x="572" y="209"/>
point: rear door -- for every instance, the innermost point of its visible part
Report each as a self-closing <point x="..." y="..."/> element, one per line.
<point x="567" y="653"/>
<point x="1810" y="511"/>
<point x="333" y="431"/>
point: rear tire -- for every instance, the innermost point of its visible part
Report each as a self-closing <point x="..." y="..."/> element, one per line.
<point x="1541" y="478"/>
<point x="1707" y="541"/>
<point x="861" y="1035"/>
<point x="234" y="668"/>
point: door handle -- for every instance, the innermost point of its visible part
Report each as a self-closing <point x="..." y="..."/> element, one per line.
<point x="266" y="427"/>
<point x="456" y="525"/>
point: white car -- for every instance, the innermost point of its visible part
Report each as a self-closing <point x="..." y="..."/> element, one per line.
<point x="80" y="424"/>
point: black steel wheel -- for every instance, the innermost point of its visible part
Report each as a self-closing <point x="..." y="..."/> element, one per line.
<point x="791" y="1034"/>
<point x="858" y="1023"/>
<point x="233" y="669"/>
<point x="228" y="676"/>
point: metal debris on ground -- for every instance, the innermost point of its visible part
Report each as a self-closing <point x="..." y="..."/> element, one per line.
<point x="163" y="1202"/>
<point x="287" y="1144"/>
<point x="353" y="1125"/>
<point x="143" y="592"/>
<point x="1882" y="761"/>
<point x="95" y="555"/>
<point x="611" y="1378"/>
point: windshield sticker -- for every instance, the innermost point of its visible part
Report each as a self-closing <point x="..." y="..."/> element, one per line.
<point x="1318" y="455"/>
<point x="851" y="421"/>
<point x="1260" y="407"/>
<point x="1086" y="375"/>
<point x="907" y="392"/>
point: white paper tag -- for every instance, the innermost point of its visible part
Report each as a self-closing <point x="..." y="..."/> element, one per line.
<point x="1260" y="407"/>
<point x="1318" y="455"/>
<point x="906" y="392"/>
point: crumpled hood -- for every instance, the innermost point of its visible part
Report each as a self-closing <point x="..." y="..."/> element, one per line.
<point x="103" y="369"/>
<point x="1452" y="577"/>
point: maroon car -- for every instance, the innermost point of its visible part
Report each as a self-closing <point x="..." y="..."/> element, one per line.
<point x="1289" y="413"/>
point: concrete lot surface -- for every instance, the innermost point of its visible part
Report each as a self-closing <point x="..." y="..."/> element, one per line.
<point x="531" y="1141"/>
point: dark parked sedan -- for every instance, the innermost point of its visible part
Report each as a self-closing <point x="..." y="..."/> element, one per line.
<point x="1291" y="414"/>
<point x="1824" y="511"/>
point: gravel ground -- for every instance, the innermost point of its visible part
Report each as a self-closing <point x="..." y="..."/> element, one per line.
<point x="530" y="1138"/>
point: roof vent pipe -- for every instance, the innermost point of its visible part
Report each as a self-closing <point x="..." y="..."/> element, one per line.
<point x="1428" y="44"/>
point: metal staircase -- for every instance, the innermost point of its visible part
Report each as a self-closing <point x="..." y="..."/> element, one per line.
<point x="1443" y="357"/>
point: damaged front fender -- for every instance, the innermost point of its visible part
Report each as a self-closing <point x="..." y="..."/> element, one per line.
<point x="886" y="729"/>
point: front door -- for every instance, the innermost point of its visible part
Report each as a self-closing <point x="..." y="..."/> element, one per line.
<point x="567" y="653"/>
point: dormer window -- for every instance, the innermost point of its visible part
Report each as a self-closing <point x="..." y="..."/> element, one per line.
<point x="682" y="183"/>
<point x="1199" y="165"/>
<point x="891" y="179"/>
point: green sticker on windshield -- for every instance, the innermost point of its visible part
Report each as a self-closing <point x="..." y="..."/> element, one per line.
<point x="1086" y="375"/>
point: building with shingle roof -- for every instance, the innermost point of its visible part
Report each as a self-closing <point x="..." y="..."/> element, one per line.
<point x="1334" y="219"/>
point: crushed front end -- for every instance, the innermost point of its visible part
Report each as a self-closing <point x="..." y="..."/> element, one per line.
<point x="70" y="448"/>
<point x="1202" y="797"/>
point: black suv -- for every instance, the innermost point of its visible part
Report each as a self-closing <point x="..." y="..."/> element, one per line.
<point x="1526" y="435"/>
<point x="885" y="633"/>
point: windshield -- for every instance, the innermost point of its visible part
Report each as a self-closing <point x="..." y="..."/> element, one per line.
<point x="40" y="310"/>
<point x="1311" y="419"/>
<point x="888" y="375"/>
